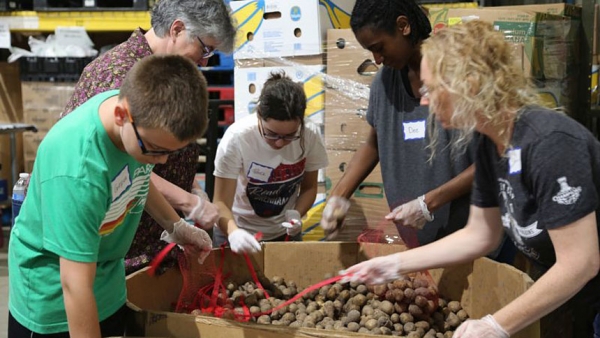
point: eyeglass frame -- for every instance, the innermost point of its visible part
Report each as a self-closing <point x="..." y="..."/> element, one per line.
<point x="276" y="137"/>
<point x="143" y="148"/>
<point x="424" y="92"/>
<point x="208" y="52"/>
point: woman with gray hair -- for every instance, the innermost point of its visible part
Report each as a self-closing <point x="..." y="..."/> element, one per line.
<point x="537" y="178"/>
<point x="194" y="29"/>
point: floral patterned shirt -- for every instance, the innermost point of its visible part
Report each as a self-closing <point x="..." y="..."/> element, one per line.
<point x="107" y="72"/>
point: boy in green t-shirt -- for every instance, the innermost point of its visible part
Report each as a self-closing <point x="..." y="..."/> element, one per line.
<point x="89" y="186"/>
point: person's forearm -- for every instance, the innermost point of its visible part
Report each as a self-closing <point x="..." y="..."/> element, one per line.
<point x="82" y="314"/>
<point x="362" y="164"/>
<point x="175" y="196"/>
<point x="226" y="222"/>
<point x="77" y="281"/>
<point x="306" y="199"/>
<point x="160" y="210"/>
<point x="552" y="290"/>
<point x="451" y="190"/>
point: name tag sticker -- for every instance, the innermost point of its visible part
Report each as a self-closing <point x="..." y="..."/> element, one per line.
<point x="514" y="161"/>
<point x="414" y="130"/>
<point x="259" y="172"/>
<point x="121" y="183"/>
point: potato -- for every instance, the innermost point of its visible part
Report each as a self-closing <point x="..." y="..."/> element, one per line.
<point x="406" y="318"/>
<point x="367" y="310"/>
<point x="415" y="310"/>
<point x="296" y="324"/>
<point x="395" y="318"/>
<point x="384" y="322"/>
<point x="454" y="306"/>
<point x="414" y="334"/>
<point x="422" y="325"/>
<point x="353" y="316"/>
<point x="364" y="330"/>
<point x="420" y="282"/>
<point x="352" y="326"/>
<point x="264" y="319"/>
<point x="409" y="295"/>
<point x="400" y="307"/>
<point x="371" y="324"/>
<point x="421" y="302"/>
<point x="380" y="290"/>
<point x="387" y="307"/>
<point x="462" y="315"/>
<point x="359" y="300"/>
<point x="409" y="327"/>
<point x="453" y="320"/>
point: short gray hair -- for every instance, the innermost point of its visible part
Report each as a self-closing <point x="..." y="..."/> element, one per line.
<point x="203" y="18"/>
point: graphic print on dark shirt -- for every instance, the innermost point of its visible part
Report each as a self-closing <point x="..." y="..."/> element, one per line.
<point x="270" y="189"/>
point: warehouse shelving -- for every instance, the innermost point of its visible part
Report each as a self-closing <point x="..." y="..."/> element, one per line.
<point x="92" y="21"/>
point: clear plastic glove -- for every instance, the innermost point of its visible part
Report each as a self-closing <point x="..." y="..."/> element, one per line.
<point x="485" y="327"/>
<point x="377" y="270"/>
<point x="204" y="214"/>
<point x="293" y="223"/>
<point x="241" y="241"/>
<point x="334" y="212"/>
<point x="190" y="237"/>
<point x="413" y="214"/>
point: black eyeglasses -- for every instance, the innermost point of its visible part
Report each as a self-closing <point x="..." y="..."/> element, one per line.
<point x="275" y="137"/>
<point x="145" y="150"/>
<point x="208" y="52"/>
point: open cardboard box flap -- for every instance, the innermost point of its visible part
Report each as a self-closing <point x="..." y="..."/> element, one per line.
<point x="482" y="286"/>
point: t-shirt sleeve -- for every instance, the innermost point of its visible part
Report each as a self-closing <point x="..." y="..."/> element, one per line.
<point x="562" y="179"/>
<point x="316" y="157"/>
<point x="73" y="212"/>
<point x="228" y="161"/>
<point x="376" y="90"/>
<point x="484" y="193"/>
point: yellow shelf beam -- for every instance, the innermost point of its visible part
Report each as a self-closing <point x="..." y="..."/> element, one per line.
<point x="100" y="21"/>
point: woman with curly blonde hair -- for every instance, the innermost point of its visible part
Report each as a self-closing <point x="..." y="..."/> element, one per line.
<point x="537" y="179"/>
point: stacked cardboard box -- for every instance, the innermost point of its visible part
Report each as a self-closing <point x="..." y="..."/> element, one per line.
<point x="43" y="102"/>
<point x="545" y="39"/>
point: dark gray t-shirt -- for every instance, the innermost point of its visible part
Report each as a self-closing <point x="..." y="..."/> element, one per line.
<point x="550" y="178"/>
<point x="402" y="138"/>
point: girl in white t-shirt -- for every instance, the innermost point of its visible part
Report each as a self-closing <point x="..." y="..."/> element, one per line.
<point x="266" y="169"/>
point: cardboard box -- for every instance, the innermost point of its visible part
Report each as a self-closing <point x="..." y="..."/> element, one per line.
<point x="43" y="102"/>
<point x="482" y="286"/>
<point x="350" y="72"/>
<point x="274" y="28"/>
<point x="249" y="83"/>
<point x="545" y="37"/>
<point x="334" y="14"/>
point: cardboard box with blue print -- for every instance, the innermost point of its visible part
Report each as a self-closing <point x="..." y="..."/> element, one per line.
<point x="482" y="286"/>
<point x="249" y="83"/>
<point x="274" y="28"/>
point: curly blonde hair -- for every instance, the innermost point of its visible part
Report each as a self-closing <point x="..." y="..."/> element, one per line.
<point x="474" y="64"/>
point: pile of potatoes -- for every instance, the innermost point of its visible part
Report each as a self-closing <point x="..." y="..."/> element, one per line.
<point x="408" y="307"/>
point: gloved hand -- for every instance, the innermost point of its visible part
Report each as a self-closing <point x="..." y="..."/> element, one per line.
<point x="413" y="214"/>
<point x="204" y="214"/>
<point x="241" y="241"/>
<point x="377" y="270"/>
<point x="293" y="222"/>
<point x="195" y="239"/>
<point x="334" y="212"/>
<point x="485" y="327"/>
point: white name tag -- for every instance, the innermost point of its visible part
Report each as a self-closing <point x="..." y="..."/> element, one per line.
<point x="259" y="172"/>
<point x="414" y="130"/>
<point x="121" y="183"/>
<point x="514" y="161"/>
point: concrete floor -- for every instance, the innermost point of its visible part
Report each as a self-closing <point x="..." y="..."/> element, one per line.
<point x="4" y="286"/>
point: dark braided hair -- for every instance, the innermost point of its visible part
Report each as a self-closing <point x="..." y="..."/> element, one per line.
<point x="382" y="15"/>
